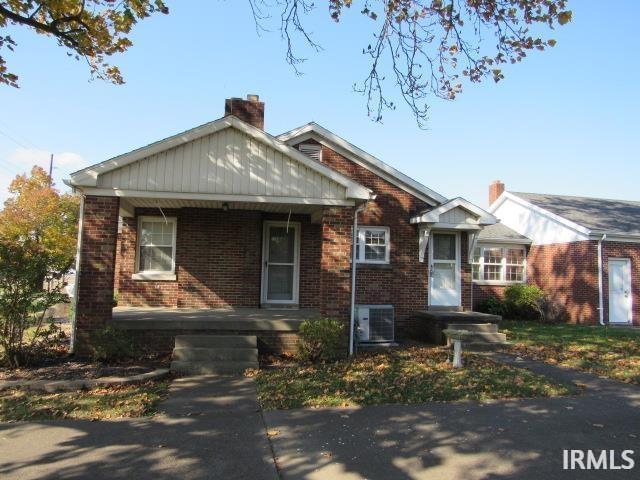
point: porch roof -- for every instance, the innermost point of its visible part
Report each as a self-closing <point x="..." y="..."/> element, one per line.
<point x="227" y="161"/>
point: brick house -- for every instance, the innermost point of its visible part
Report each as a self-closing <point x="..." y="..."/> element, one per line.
<point x="225" y="227"/>
<point x="583" y="252"/>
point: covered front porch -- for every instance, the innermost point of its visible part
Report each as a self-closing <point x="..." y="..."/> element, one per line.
<point x="154" y="329"/>
<point x="221" y="217"/>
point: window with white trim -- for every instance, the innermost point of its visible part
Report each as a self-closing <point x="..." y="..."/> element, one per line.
<point x="504" y="264"/>
<point x="156" y="245"/>
<point x="373" y="245"/>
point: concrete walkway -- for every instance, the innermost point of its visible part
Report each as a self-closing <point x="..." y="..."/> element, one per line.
<point x="519" y="439"/>
<point x="211" y="428"/>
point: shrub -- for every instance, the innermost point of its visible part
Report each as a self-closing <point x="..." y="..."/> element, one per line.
<point x="25" y="268"/>
<point x="524" y="302"/>
<point x="321" y="339"/>
<point x="491" y="305"/>
<point x="110" y="344"/>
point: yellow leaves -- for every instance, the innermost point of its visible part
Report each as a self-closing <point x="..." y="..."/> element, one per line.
<point x="564" y="17"/>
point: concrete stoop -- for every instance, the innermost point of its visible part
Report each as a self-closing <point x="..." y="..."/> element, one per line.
<point x="214" y="354"/>
<point x="484" y="337"/>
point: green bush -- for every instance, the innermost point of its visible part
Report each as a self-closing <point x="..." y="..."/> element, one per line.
<point x="110" y="344"/>
<point x="523" y="302"/>
<point x="492" y="305"/>
<point x="321" y="339"/>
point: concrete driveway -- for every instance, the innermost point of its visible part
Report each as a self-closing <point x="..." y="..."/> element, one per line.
<point x="521" y="439"/>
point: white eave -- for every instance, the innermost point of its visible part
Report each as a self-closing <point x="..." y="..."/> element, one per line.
<point x="433" y="216"/>
<point x="348" y="150"/>
<point x="87" y="178"/>
<point x="542" y="211"/>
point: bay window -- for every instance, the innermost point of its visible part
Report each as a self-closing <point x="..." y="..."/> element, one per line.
<point x="499" y="264"/>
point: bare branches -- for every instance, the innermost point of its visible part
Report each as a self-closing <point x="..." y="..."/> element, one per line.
<point x="291" y="25"/>
<point x="426" y="47"/>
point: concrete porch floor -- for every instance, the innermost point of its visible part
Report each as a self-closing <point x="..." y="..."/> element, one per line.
<point x="160" y="318"/>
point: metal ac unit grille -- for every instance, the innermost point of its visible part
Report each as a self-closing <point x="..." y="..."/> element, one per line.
<point x="376" y="323"/>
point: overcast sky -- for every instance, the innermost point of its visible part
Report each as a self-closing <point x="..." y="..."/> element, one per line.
<point x="565" y="121"/>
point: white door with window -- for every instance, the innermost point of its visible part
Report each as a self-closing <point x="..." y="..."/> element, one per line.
<point x="281" y="263"/>
<point x="444" y="270"/>
<point x="619" y="290"/>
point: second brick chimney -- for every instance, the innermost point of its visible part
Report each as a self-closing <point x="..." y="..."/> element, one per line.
<point x="250" y="110"/>
<point x="495" y="190"/>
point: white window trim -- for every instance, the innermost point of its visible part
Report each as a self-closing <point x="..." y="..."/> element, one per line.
<point x="155" y="274"/>
<point x="503" y="267"/>
<point x="361" y="245"/>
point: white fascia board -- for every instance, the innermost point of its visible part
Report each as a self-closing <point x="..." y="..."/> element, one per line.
<point x="484" y="217"/>
<point x="542" y="211"/>
<point x="362" y="158"/>
<point x="219" y="197"/>
<point x="505" y="241"/>
<point x="615" y="237"/>
<point x="89" y="176"/>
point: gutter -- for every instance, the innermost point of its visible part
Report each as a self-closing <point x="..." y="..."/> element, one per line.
<point x="352" y="319"/>
<point x="600" y="288"/>
<point x="77" y="282"/>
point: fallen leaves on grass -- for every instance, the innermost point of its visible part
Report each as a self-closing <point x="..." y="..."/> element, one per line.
<point x="97" y="404"/>
<point x="408" y="375"/>
<point x="613" y="353"/>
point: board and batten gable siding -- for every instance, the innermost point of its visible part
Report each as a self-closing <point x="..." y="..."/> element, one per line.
<point x="458" y="215"/>
<point x="540" y="228"/>
<point x="225" y="162"/>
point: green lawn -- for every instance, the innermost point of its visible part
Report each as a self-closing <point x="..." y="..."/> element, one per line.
<point x="101" y="403"/>
<point x="608" y="351"/>
<point x="409" y="375"/>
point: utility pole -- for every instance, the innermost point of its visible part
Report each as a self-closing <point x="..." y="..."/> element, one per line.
<point x="51" y="169"/>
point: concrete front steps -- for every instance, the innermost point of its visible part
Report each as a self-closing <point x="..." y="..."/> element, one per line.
<point x="484" y="336"/>
<point x="214" y="354"/>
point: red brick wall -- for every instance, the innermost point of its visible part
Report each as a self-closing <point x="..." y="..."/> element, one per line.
<point x="335" y="264"/>
<point x="404" y="282"/>
<point x="218" y="261"/>
<point x="622" y="250"/>
<point x="97" y="268"/>
<point x="567" y="272"/>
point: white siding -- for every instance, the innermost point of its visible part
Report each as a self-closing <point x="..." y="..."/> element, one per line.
<point x="458" y="215"/>
<point x="540" y="228"/>
<point x="225" y="162"/>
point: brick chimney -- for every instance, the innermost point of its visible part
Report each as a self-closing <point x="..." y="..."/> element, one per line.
<point x="250" y="110"/>
<point x="495" y="190"/>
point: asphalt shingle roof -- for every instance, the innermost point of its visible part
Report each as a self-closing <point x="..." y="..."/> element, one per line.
<point x="499" y="231"/>
<point x="620" y="216"/>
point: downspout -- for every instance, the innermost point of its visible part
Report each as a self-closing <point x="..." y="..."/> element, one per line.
<point x="352" y="320"/>
<point x="600" y="288"/>
<point x="77" y="281"/>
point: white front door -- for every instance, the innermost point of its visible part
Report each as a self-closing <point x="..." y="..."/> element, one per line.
<point x="444" y="270"/>
<point x="619" y="290"/>
<point x="281" y="260"/>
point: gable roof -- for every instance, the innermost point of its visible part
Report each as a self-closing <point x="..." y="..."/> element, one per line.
<point x="434" y="215"/>
<point x="359" y="156"/>
<point x="88" y="177"/>
<point x="594" y="214"/>
<point x="500" y="233"/>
